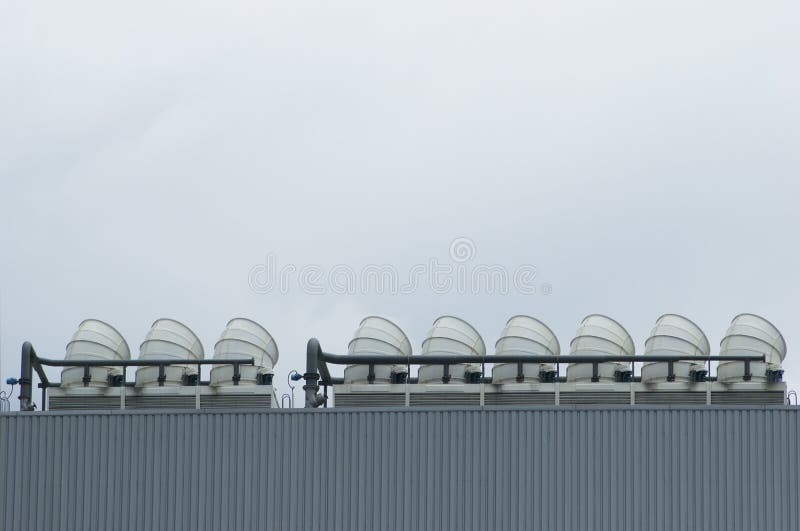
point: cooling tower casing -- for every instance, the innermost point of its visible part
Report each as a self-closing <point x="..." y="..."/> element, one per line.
<point x="244" y="338"/>
<point x="376" y="336"/>
<point x="524" y="335"/>
<point x="172" y="340"/>
<point x="674" y="334"/>
<point x="94" y="340"/>
<point x="599" y="335"/>
<point x="450" y="335"/>
<point x="751" y="335"/>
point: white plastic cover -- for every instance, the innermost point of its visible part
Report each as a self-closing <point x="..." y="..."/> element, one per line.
<point x="751" y="335"/>
<point x="244" y="338"/>
<point x="94" y="340"/>
<point x="376" y="336"/>
<point x="450" y="335"/>
<point x="674" y="334"/>
<point x="169" y="339"/>
<point x="524" y="335"/>
<point x="599" y="335"/>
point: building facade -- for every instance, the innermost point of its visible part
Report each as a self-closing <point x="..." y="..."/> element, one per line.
<point x="658" y="467"/>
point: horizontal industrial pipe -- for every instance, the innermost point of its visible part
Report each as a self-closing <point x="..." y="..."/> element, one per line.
<point x="453" y="359"/>
<point x="317" y="360"/>
<point x="141" y="363"/>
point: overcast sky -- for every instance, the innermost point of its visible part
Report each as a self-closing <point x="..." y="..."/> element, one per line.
<point x="643" y="156"/>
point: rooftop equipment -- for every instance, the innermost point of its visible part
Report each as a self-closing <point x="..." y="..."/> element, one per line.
<point x="751" y="334"/>
<point x="377" y="336"/>
<point x="603" y="336"/>
<point x="94" y="340"/>
<point x="748" y="367"/>
<point x="169" y="339"/>
<point x="451" y="335"/>
<point x="675" y="335"/>
<point x="244" y="338"/>
<point x="525" y="335"/>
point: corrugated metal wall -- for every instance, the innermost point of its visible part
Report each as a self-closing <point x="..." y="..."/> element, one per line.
<point x="642" y="468"/>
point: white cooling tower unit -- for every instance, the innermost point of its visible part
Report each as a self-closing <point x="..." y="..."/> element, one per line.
<point x="243" y="338"/>
<point x="524" y="335"/>
<point x="94" y="340"/>
<point x="168" y="340"/>
<point x="751" y="335"/>
<point x="381" y="337"/>
<point x="450" y="335"/>
<point x="674" y="335"/>
<point x="599" y="335"/>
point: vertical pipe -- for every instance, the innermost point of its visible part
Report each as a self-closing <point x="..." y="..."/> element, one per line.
<point x="123" y="391"/>
<point x="558" y="389"/>
<point x="633" y="393"/>
<point x="406" y="390"/>
<point x="483" y="383"/>
<point x="312" y="373"/>
<point x="197" y="387"/>
<point x="26" y="377"/>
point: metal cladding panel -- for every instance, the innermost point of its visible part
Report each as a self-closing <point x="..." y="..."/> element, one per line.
<point x="571" y="467"/>
<point x="370" y="399"/>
